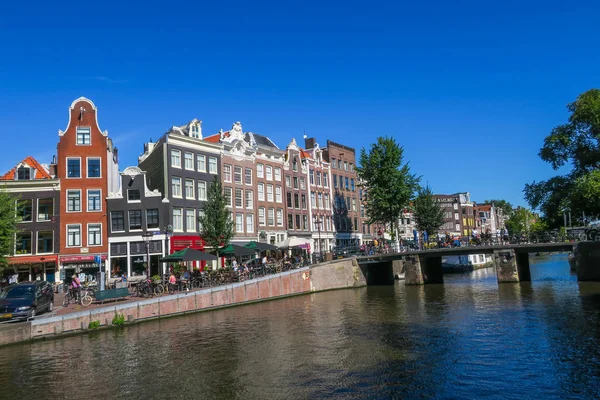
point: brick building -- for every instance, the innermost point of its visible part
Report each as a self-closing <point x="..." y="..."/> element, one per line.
<point x="295" y="169"/>
<point x="36" y="244"/>
<point x="459" y="214"/>
<point x="346" y="211"/>
<point x="87" y="167"/>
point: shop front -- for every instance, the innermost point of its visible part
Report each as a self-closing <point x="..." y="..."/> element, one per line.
<point x="85" y="266"/>
<point x="31" y="268"/>
<point x="193" y="242"/>
<point x="129" y="258"/>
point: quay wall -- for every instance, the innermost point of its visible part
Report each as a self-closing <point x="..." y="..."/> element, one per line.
<point x="337" y="274"/>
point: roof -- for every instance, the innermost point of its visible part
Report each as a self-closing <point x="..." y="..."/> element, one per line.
<point x="260" y="140"/>
<point x="216" y="138"/>
<point x="304" y="154"/>
<point x="41" y="173"/>
<point x="484" y="207"/>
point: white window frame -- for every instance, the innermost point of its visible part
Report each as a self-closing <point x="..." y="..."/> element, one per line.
<point x="88" y="235"/>
<point x="175" y="228"/>
<point x="269" y="173"/>
<point x="270" y="197"/>
<point x="278" y="194"/>
<point x="193" y="188"/>
<point x="216" y="169"/>
<point x="279" y="217"/>
<point x="110" y="220"/>
<point x="239" y="229"/>
<point x="230" y="190"/>
<point x="260" y="171"/>
<point x="141" y="228"/>
<point x="89" y="129"/>
<point x="193" y="215"/>
<point x="67" y="230"/>
<point x="227" y="173"/>
<point x="185" y="160"/>
<point x="80" y="200"/>
<point x="134" y="201"/>
<point x="37" y="237"/>
<point x="250" y="223"/>
<point x="241" y="198"/>
<point x="22" y="233"/>
<point x="67" y="168"/>
<point x="261" y="193"/>
<point x="38" y="209"/>
<point x="87" y="169"/>
<point x="173" y="152"/>
<point x="200" y="185"/>
<point x="180" y="195"/>
<point x="249" y="199"/>
<point x="262" y="219"/>
<point x="201" y="166"/>
<point x="277" y="173"/>
<point x="271" y="217"/>
<point x="237" y="168"/>
<point x="88" y="200"/>
<point x="246" y="170"/>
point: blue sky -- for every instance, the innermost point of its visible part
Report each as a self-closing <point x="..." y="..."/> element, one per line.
<point x="469" y="89"/>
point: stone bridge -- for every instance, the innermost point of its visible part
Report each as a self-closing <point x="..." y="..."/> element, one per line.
<point x="511" y="262"/>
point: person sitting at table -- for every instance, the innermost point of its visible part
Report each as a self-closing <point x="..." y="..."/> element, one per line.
<point x="234" y="265"/>
<point x="172" y="278"/>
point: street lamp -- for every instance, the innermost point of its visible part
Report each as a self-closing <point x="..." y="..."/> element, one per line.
<point x="168" y="234"/>
<point x="147" y="236"/>
<point x="318" y="222"/>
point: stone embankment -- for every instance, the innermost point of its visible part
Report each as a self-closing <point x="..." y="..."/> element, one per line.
<point x="339" y="274"/>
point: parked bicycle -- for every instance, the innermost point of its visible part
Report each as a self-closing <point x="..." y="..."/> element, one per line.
<point x="72" y="297"/>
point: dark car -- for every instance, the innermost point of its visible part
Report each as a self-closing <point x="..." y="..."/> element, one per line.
<point x="25" y="300"/>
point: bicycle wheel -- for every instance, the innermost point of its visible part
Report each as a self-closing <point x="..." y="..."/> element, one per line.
<point x="86" y="300"/>
<point x="66" y="301"/>
<point x="159" y="290"/>
<point x="582" y="237"/>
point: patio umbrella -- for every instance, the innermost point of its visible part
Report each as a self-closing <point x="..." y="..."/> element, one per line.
<point x="293" y="241"/>
<point x="188" y="254"/>
<point x="235" y="250"/>
<point x="260" y="246"/>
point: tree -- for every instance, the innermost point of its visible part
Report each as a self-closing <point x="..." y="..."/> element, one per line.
<point x="216" y="226"/>
<point x="388" y="182"/>
<point x="504" y="205"/>
<point x="8" y="226"/>
<point x="575" y="145"/>
<point x="427" y="213"/>
<point x="523" y="220"/>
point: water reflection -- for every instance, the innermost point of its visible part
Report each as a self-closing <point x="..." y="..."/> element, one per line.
<point x="467" y="338"/>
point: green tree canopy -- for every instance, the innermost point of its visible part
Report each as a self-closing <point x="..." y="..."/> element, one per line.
<point x="524" y="220"/>
<point x="216" y="226"/>
<point x="8" y="226"/>
<point x="427" y="213"/>
<point x="575" y="146"/>
<point x="388" y="182"/>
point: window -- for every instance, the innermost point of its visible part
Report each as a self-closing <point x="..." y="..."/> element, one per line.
<point x="347" y="184"/>
<point x="305" y="222"/>
<point x="249" y="197"/>
<point x="73" y="168"/>
<point x="175" y="158"/>
<point x="348" y="202"/>
<point x="260" y="171"/>
<point x="288" y="181"/>
<point x="237" y="175"/>
<point x="45" y="209"/>
<point x="295" y="182"/>
<point x="353" y="204"/>
<point x="45" y="242"/>
<point x="356" y="224"/>
<point x="279" y="217"/>
<point x="302" y="183"/>
<point x="325" y="179"/>
<point x="227" y="173"/>
<point x="290" y="221"/>
<point x="73" y="200"/>
<point x="311" y="177"/>
<point x="351" y="167"/>
<point x="457" y="227"/>
<point x="248" y="176"/>
<point x="135" y="220"/>
<point x="261" y="192"/>
<point x="152" y="218"/>
<point x="189" y="189"/>
<point x="133" y="195"/>
<point x="250" y="223"/>
<point x="73" y="235"/>
<point x="25" y="210"/>
<point x="278" y="174"/>
<point x="23" y="174"/>
<point x="320" y="204"/>
<point x="270" y="192"/>
<point x="23" y="243"/>
<point x="296" y="200"/>
<point x="261" y="216"/>
<point x="345" y="166"/>
<point x="334" y="177"/>
<point x="201" y="163"/>
<point x="362" y="212"/>
<point x="303" y="197"/>
<point x="190" y="220"/>
<point x="195" y="131"/>
<point x="295" y="164"/>
<point x="239" y="223"/>
<point x="200" y="214"/>
<point x="269" y="173"/>
<point x="271" y="217"/>
<point x="188" y="161"/>
<point x="333" y="163"/>
<point x="360" y="194"/>
<point x="341" y="182"/>
<point x="313" y="200"/>
<point x="117" y="221"/>
<point x="278" y="197"/>
<point x="212" y="165"/>
<point x="352" y="184"/>
<point x="289" y="200"/>
<point x="177" y="219"/>
<point x="456" y="216"/>
<point x="94" y="235"/>
<point x="327" y="204"/>
<point x="176" y="186"/>
<point x="93" y="168"/>
<point x="228" y="193"/>
<point x="239" y="194"/>
<point x="318" y="178"/>
<point x="297" y="222"/>
<point x="84" y="136"/>
<point x="339" y="164"/>
<point x="202" y="190"/>
<point x="93" y="200"/>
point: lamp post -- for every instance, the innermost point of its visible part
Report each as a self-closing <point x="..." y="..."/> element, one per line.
<point x="318" y="222"/>
<point x="168" y="234"/>
<point x="147" y="236"/>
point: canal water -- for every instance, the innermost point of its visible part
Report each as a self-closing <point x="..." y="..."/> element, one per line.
<point x="468" y="338"/>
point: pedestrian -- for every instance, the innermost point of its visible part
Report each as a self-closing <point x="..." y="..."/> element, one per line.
<point x="76" y="287"/>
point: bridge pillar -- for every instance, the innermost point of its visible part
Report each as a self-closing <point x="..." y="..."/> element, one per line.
<point x="587" y="261"/>
<point x="419" y="270"/>
<point x="511" y="266"/>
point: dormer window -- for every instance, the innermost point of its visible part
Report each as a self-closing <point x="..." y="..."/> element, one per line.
<point x="24" y="174"/>
<point x="295" y="164"/>
<point x="84" y="136"/>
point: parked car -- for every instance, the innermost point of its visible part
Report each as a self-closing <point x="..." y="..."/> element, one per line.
<point x="25" y="300"/>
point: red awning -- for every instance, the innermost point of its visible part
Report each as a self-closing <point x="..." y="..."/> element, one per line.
<point x="33" y="259"/>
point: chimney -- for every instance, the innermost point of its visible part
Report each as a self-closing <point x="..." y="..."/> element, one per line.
<point x="54" y="159"/>
<point x="309" y="143"/>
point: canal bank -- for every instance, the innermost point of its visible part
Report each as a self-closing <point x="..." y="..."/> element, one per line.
<point x="339" y="274"/>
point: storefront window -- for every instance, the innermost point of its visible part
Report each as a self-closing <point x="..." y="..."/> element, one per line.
<point x="118" y="267"/>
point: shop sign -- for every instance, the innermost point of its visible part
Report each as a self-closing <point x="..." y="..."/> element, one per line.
<point x="85" y="250"/>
